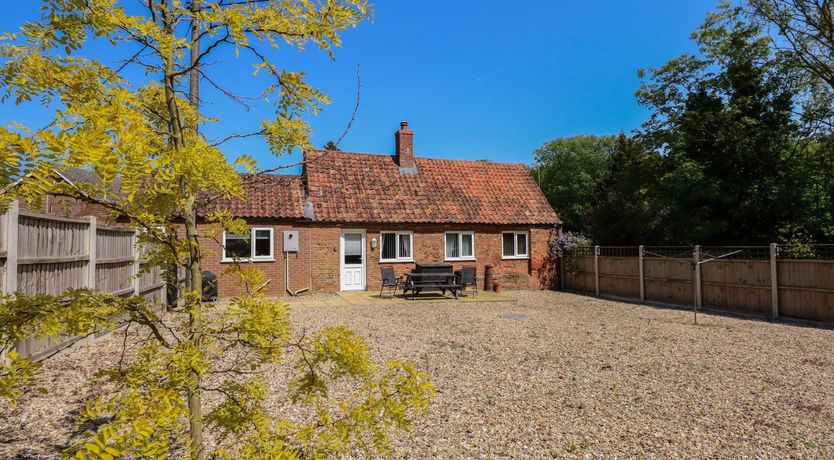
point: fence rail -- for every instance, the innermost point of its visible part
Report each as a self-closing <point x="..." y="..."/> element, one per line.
<point x="48" y="254"/>
<point x="772" y="281"/>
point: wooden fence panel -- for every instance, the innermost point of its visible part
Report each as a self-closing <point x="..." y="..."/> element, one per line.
<point x="738" y="285"/>
<point x="668" y="281"/>
<point x="115" y="257"/>
<point x="44" y="236"/>
<point x="151" y="283"/>
<point x="114" y="243"/>
<point x="619" y="276"/>
<point x="806" y="289"/>
<point x="51" y="278"/>
<point x="48" y="254"/>
<point x="619" y="266"/>
<point x="740" y="280"/>
<point x="4" y="222"/>
<point x="114" y="278"/>
<point x="582" y="276"/>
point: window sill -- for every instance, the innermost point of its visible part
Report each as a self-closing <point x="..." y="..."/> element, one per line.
<point x="229" y="261"/>
<point x="515" y="257"/>
<point x="396" y="261"/>
<point x="458" y="259"/>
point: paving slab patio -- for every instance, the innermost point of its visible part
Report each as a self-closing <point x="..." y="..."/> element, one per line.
<point x="343" y="299"/>
<point x="373" y="298"/>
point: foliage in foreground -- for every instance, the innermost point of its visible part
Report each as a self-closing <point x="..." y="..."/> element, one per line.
<point x="244" y="342"/>
<point x="143" y="134"/>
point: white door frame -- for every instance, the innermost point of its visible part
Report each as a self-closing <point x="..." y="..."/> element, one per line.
<point x="342" y="259"/>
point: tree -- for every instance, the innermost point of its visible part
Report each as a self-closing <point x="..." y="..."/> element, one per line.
<point x="624" y="208"/>
<point x="807" y="27"/>
<point x="724" y="122"/>
<point x="330" y="145"/>
<point x="569" y="171"/>
<point x="146" y="134"/>
<point x="804" y="31"/>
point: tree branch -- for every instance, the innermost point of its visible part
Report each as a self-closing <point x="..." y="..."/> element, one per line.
<point x="341" y="137"/>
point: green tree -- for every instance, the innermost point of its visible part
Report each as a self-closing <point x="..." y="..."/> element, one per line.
<point x="624" y="211"/>
<point x="810" y="180"/>
<point x="145" y="133"/>
<point x="330" y="145"/>
<point x="569" y="171"/>
<point x="805" y="33"/>
<point x="806" y="28"/>
<point x="724" y="122"/>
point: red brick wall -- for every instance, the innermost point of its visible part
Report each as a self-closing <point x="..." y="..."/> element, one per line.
<point x="299" y="262"/>
<point x="70" y="207"/>
<point x="429" y="240"/>
<point x="316" y="264"/>
<point x="325" y="258"/>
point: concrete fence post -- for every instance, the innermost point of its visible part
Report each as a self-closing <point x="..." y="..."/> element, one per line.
<point x="92" y="257"/>
<point x="641" y="251"/>
<point x="596" y="270"/>
<point x="774" y="282"/>
<point x="136" y="255"/>
<point x="9" y="284"/>
<point x="92" y="252"/>
<point x="696" y="259"/>
<point x="12" y="217"/>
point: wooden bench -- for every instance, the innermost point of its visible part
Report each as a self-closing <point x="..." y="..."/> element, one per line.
<point x="431" y="277"/>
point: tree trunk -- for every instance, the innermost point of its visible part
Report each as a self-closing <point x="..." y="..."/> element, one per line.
<point x="195" y="329"/>
<point x="194" y="83"/>
<point x="194" y="280"/>
<point x="195" y="320"/>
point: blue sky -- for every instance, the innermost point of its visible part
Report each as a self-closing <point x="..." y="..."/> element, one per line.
<point x="475" y="80"/>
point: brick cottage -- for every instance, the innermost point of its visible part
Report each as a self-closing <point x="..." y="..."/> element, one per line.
<point x="332" y="227"/>
<point x="351" y="213"/>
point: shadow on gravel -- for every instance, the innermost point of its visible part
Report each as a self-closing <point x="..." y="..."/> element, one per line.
<point x="80" y="430"/>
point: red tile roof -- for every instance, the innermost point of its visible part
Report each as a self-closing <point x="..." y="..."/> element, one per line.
<point x="357" y="187"/>
<point x="361" y="187"/>
<point x="269" y="195"/>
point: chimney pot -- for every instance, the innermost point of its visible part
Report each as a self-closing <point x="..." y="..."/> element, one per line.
<point x="403" y="125"/>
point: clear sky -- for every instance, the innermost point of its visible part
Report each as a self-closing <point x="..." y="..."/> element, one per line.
<point x="490" y="79"/>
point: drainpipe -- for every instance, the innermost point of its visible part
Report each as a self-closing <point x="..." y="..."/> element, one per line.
<point x="287" y="276"/>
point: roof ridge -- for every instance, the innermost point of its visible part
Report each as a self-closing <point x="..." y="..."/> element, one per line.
<point x="268" y="174"/>
<point x="487" y="162"/>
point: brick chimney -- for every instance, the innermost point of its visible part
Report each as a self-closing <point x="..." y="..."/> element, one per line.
<point x="405" y="147"/>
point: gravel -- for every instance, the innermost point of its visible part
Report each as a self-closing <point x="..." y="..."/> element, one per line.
<point x="551" y="375"/>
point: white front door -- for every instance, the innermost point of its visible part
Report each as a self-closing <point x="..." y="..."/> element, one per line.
<point x="352" y="257"/>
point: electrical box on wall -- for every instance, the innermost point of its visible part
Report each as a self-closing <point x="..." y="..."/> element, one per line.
<point x="290" y="241"/>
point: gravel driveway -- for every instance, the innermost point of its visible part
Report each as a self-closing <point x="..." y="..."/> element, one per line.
<point x="557" y="375"/>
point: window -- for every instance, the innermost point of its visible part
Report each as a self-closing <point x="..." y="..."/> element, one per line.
<point x="395" y="247"/>
<point x="514" y="245"/>
<point x="257" y="245"/>
<point x="460" y="246"/>
<point x="353" y="248"/>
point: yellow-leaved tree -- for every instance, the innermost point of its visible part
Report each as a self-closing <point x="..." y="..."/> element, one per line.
<point x="145" y="134"/>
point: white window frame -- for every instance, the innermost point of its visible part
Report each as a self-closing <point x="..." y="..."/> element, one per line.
<point x="460" y="245"/>
<point x="252" y="257"/>
<point x="516" y="255"/>
<point x="397" y="234"/>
